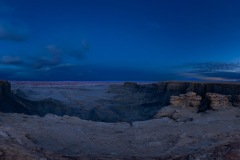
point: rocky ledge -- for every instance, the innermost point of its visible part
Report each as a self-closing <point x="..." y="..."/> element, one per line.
<point x="185" y="106"/>
<point x="126" y="102"/>
<point x="192" y="121"/>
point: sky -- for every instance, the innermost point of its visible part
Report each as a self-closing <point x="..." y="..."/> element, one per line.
<point x="120" y="40"/>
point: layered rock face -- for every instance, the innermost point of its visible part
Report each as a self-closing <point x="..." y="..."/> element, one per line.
<point x="126" y="102"/>
<point x="183" y="107"/>
<point x="161" y="92"/>
<point x="9" y="102"/>
<point x="191" y="99"/>
<point x="186" y="106"/>
<point x="201" y="88"/>
<point x="185" y="100"/>
<point x="5" y="89"/>
<point x="218" y="101"/>
<point x="12" y="103"/>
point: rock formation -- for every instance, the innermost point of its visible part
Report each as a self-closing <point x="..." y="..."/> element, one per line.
<point x="185" y="106"/>
<point x="11" y="102"/>
<point x="218" y="101"/>
<point x="180" y="132"/>
<point x="191" y="99"/>
<point x="126" y="102"/>
<point x="5" y="89"/>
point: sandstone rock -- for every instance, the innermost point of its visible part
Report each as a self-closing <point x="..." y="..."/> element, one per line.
<point x="191" y="99"/>
<point x="176" y="100"/>
<point x="218" y="101"/>
<point x="177" y="114"/>
<point x="183" y="107"/>
<point x="191" y="94"/>
<point x="167" y="111"/>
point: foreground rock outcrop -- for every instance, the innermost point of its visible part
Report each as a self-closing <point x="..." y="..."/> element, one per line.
<point x="186" y="106"/>
<point x="210" y="135"/>
<point x="183" y="108"/>
<point x="218" y="101"/>
<point x="190" y="99"/>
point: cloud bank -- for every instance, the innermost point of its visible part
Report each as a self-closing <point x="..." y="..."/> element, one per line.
<point x="212" y="71"/>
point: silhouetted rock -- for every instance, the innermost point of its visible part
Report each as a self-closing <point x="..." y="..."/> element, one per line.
<point x="5" y="89"/>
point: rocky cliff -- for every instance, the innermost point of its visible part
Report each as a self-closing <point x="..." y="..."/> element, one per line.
<point x="5" y="89"/>
<point x="126" y="102"/>
<point x="12" y="103"/>
<point x="162" y="91"/>
<point x="179" y="130"/>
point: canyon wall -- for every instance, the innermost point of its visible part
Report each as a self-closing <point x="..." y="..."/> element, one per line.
<point x="126" y="102"/>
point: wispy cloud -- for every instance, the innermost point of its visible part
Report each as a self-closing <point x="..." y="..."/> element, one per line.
<point x="212" y="67"/>
<point x="50" y="57"/>
<point x="209" y="77"/>
<point x="54" y="55"/>
<point x="212" y="71"/>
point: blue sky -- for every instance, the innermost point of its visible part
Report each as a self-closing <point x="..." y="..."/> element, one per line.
<point x="138" y="40"/>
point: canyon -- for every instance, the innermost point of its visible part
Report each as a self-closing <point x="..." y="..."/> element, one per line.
<point x="161" y="120"/>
